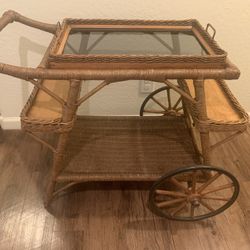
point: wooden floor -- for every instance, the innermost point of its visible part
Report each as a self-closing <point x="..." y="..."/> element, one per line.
<point x="109" y="216"/>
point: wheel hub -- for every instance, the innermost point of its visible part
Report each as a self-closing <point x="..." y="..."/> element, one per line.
<point x="194" y="199"/>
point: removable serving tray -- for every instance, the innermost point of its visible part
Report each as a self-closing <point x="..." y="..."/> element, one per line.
<point x="135" y="44"/>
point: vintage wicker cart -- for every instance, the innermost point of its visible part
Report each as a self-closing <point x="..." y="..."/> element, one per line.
<point x="171" y="146"/>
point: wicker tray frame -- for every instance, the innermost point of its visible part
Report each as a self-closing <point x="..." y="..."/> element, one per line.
<point x="196" y="107"/>
<point x="216" y="57"/>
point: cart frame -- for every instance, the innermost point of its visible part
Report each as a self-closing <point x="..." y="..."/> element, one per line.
<point x="195" y="106"/>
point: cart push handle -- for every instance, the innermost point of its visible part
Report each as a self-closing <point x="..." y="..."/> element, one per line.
<point x="6" y="18"/>
<point x="11" y="16"/>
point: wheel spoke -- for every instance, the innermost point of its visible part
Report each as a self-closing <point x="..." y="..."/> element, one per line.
<point x="206" y="205"/>
<point x="226" y="186"/>
<point x="169" y="203"/>
<point x="177" y="103"/>
<point x="169" y="99"/>
<point x="170" y="193"/>
<point x="178" y="109"/>
<point x="159" y="103"/>
<point x="179" y="208"/>
<point x="210" y="181"/>
<point x="215" y="198"/>
<point x="192" y="210"/>
<point x="179" y="185"/>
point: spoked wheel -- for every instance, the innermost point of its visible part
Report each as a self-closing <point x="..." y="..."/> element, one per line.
<point x="193" y="193"/>
<point x="163" y="101"/>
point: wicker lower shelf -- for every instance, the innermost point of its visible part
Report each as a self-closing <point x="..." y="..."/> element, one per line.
<point x="126" y="148"/>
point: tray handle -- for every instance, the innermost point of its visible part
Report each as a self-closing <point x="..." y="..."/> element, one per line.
<point x="210" y="26"/>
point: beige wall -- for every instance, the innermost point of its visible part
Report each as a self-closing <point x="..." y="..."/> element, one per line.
<point x="25" y="46"/>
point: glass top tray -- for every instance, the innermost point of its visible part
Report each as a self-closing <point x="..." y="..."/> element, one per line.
<point x="135" y="44"/>
<point x="83" y="42"/>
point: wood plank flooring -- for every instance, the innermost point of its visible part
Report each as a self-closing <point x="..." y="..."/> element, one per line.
<point x="109" y="215"/>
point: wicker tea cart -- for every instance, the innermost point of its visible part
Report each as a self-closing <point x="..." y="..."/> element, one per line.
<point x="169" y="142"/>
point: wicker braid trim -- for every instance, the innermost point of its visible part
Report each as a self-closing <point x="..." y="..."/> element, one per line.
<point x="217" y="125"/>
<point x="219" y="57"/>
<point x="187" y="22"/>
<point x="36" y="125"/>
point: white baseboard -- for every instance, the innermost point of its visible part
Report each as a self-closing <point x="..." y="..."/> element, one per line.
<point x="10" y="122"/>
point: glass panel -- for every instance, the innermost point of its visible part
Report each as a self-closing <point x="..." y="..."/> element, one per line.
<point x="132" y="43"/>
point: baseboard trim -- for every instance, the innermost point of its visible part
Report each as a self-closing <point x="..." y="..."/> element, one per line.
<point x="10" y="122"/>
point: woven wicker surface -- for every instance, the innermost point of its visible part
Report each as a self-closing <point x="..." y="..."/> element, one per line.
<point x="127" y="148"/>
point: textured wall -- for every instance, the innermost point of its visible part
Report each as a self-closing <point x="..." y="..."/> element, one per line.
<point x="25" y="46"/>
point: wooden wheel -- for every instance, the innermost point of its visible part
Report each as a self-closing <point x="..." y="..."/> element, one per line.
<point x="187" y="194"/>
<point x="157" y="103"/>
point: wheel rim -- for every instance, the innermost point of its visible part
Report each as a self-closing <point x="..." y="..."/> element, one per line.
<point x="193" y="193"/>
<point x="156" y="104"/>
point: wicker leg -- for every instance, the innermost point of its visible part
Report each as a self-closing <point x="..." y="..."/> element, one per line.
<point x="69" y="113"/>
<point x="202" y="115"/>
<point x="57" y="166"/>
<point x="205" y="144"/>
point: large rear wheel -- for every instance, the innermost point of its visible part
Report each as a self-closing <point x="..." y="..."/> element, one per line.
<point x="193" y="193"/>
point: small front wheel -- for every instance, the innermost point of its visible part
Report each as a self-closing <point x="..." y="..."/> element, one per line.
<point x="193" y="193"/>
<point x="162" y="102"/>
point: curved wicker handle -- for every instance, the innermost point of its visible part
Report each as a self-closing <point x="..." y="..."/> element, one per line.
<point x="212" y="28"/>
<point x="6" y="18"/>
<point x="11" y="16"/>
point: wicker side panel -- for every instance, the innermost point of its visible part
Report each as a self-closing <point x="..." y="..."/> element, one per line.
<point x="42" y="124"/>
<point x="218" y="125"/>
